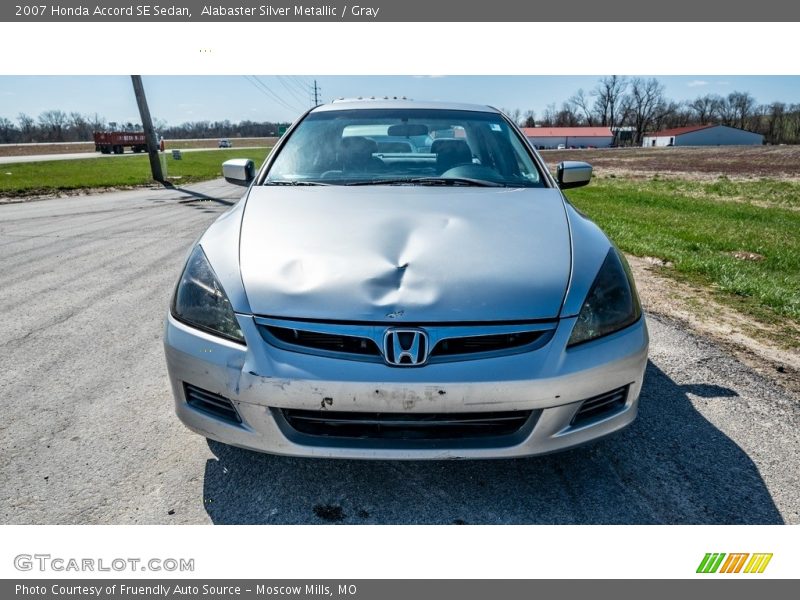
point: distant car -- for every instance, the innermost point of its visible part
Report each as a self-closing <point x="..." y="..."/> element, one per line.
<point x="225" y="143"/>
<point x="405" y="305"/>
<point x="562" y="147"/>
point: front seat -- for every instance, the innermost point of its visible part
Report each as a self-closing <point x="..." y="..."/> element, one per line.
<point x="451" y="153"/>
<point x="357" y="154"/>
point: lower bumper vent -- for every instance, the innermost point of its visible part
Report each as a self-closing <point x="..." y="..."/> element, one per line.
<point x="600" y="406"/>
<point x="406" y="426"/>
<point x="211" y="404"/>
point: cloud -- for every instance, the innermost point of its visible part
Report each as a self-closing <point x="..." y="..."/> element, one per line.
<point x="703" y="83"/>
<point x="428" y="76"/>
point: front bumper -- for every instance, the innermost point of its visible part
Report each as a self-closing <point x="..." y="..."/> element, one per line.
<point x="261" y="379"/>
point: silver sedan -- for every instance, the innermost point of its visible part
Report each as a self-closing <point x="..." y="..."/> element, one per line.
<point x="405" y="280"/>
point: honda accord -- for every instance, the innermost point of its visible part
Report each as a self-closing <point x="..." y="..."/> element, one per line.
<point x="405" y="280"/>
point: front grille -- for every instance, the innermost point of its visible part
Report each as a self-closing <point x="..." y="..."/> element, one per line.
<point x="325" y="341"/>
<point x="484" y="343"/>
<point x="211" y="404"/>
<point x="600" y="406"/>
<point x="372" y="342"/>
<point x="406" y="426"/>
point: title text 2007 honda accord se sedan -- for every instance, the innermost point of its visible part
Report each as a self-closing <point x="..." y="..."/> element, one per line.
<point x="405" y="280"/>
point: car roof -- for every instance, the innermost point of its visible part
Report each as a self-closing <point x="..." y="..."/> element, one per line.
<point x="384" y="103"/>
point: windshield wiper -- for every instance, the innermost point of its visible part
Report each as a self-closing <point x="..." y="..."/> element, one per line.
<point x="466" y="181"/>
<point x="295" y="182"/>
<point x="456" y="181"/>
<point x="396" y="181"/>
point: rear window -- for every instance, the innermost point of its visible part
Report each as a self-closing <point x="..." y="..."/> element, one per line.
<point x="404" y="146"/>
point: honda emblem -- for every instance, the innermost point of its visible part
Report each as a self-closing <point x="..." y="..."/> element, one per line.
<point x="405" y="347"/>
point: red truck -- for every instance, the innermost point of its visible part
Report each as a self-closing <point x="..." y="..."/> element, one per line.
<point x="115" y="141"/>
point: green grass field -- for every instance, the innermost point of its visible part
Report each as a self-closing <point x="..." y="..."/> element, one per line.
<point x="740" y="238"/>
<point x="25" y="179"/>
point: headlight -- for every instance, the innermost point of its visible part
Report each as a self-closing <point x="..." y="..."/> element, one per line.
<point x="201" y="302"/>
<point x="612" y="303"/>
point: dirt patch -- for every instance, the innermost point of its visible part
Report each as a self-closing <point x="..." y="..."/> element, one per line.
<point x="76" y="147"/>
<point x="742" y="255"/>
<point x="37" y="149"/>
<point x="746" y="338"/>
<point x="707" y="162"/>
<point x="658" y="262"/>
<point x="34" y="197"/>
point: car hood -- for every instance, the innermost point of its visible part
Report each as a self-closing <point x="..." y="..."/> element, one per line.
<point x="405" y="253"/>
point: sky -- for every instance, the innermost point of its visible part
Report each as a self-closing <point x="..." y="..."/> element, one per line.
<point x="177" y="99"/>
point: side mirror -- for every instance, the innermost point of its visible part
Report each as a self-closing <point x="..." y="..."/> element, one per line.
<point x="239" y="171"/>
<point x="573" y="173"/>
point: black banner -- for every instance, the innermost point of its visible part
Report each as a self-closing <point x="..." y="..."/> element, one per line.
<point x="367" y="589"/>
<point x="406" y="10"/>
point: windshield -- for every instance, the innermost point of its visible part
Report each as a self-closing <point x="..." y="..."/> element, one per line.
<point x="404" y="147"/>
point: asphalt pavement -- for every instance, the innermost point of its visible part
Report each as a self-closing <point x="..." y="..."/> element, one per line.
<point x="88" y="434"/>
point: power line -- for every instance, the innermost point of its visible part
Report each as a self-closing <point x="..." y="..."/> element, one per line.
<point x="313" y="90"/>
<point x="278" y="98"/>
<point x="300" y="84"/>
<point x="264" y="89"/>
<point x="288" y="89"/>
<point x="258" y="87"/>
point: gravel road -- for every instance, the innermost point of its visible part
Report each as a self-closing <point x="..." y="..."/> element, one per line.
<point x="88" y="435"/>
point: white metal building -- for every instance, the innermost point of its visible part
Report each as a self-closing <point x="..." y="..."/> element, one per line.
<point x="702" y="135"/>
<point x="569" y="137"/>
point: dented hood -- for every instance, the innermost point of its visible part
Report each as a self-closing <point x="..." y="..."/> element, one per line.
<point x="405" y="253"/>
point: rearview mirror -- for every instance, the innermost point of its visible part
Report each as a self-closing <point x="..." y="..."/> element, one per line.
<point x="239" y="171"/>
<point x="407" y="129"/>
<point x="573" y="173"/>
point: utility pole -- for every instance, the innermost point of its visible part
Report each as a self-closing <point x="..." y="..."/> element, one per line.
<point x="317" y="92"/>
<point x="147" y="124"/>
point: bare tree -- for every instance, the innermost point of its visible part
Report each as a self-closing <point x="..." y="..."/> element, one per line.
<point x="530" y="119"/>
<point x="566" y="117"/>
<point x="549" y="116"/>
<point x="792" y="127"/>
<point x="27" y="127"/>
<point x="581" y="103"/>
<point x="705" y="108"/>
<point x="609" y="95"/>
<point x="80" y="128"/>
<point x="96" y="122"/>
<point x="775" y="121"/>
<point x="513" y="114"/>
<point x="670" y="114"/>
<point x="53" y="123"/>
<point x="161" y="125"/>
<point x="8" y="132"/>
<point x="647" y="104"/>
<point x="726" y="112"/>
<point x="742" y="106"/>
